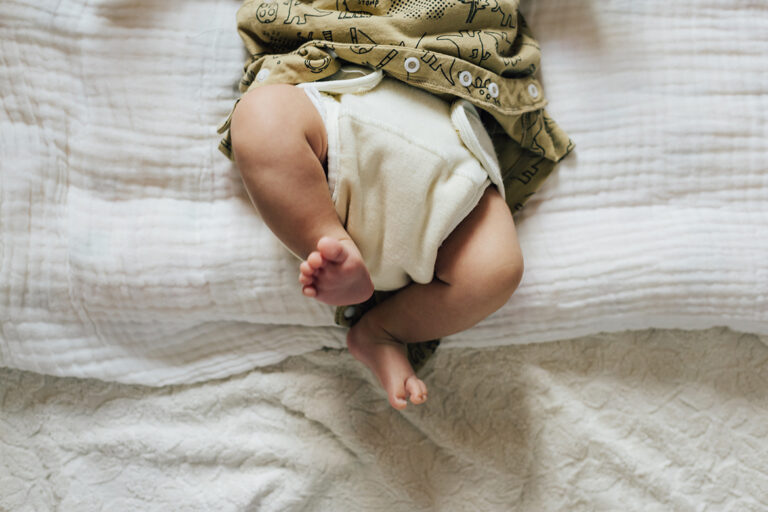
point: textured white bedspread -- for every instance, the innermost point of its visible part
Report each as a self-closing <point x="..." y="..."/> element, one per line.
<point x="129" y="250"/>
<point x="652" y="421"/>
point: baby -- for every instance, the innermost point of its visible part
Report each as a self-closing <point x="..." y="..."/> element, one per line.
<point x="280" y="143"/>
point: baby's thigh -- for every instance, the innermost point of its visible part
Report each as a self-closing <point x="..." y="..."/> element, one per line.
<point x="482" y="255"/>
<point x="272" y="121"/>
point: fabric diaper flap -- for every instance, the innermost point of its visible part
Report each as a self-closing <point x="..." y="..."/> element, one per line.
<point x="473" y="134"/>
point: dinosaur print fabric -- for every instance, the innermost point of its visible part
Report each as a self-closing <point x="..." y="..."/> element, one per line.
<point x="478" y="50"/>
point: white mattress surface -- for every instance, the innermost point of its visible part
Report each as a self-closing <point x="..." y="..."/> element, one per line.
<point x="129" y="250"/>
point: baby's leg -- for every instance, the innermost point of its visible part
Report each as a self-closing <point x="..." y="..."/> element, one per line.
<point x="280" y="144"/>
<point x="478" y="268"/>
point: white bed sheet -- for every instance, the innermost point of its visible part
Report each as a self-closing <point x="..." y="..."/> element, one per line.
<point x="646" y="421"/>
<point x="130" y="251"/>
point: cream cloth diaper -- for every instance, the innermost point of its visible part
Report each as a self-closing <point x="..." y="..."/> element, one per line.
<point x="404" y="169"/>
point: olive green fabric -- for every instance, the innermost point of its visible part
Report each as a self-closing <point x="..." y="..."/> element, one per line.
<point x="479" y="50"/>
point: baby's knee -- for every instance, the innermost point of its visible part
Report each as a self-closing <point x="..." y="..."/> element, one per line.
<point x="494" y="280"/>
<point x="275" y="120"/>
<point x="258" y="118"/>
<point x="510" y="275"/>
<point x="501" y="278"/>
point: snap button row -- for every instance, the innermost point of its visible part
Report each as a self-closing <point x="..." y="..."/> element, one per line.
<point x="412" y="65"/>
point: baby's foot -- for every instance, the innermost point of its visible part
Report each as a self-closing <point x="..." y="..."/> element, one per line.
<point x="387" y="359"/>
<point x="335" y="273"/>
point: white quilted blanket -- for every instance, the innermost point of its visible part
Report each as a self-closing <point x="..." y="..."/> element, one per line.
<point x="130" y="252"/>
<point x="653" y="421"/>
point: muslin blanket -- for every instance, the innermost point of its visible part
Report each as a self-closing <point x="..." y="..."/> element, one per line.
<point x="129" y="250"/>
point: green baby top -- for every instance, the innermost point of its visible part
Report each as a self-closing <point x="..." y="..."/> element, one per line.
<point x="478" y="50"/>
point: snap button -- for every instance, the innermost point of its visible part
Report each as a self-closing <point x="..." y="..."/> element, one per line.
<point x="262" y="75"/>
<point x="493" y="90"/>
<point x="411" y="64"/>
<point x="349" y="312"/>
<point x="465" y="78"/>
<point x="533" y="91"/>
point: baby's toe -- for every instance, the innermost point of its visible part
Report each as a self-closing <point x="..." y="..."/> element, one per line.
<point x="416" y="389"/>
<point x="397" y="398"/>
<point x="306" y="279"/>
<point x="315" y="260"/>
<point x="306" y="269"/>
<point x="309" y="291"/>
<point x="331" y="249"/>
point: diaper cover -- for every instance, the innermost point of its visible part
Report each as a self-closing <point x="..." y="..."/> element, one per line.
<point x="405" y="167"/>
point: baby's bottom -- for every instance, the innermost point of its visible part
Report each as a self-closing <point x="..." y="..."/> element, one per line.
<point x="280" y="146"/>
